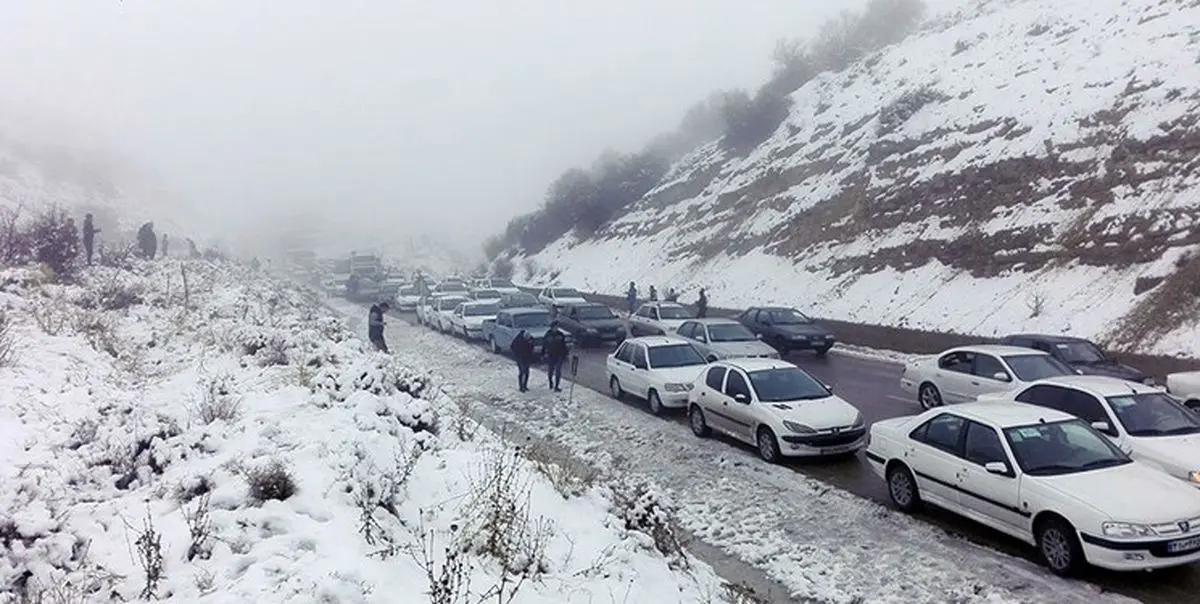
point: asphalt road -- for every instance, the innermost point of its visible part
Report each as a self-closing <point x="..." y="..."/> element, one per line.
<point x="873" y="387"/>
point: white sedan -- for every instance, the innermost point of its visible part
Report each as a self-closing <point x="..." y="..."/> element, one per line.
<point x="660" y="370"/>
<point x="658" y="318"/>
<point x="468" y="318"/>
<point x="776" y="406"/>
<point x="442" y="309"/>
<point x="961" y="375"/>
<point x="1185" y="385"/>
<point x="1158" y="430"/>
<point x="1044" y="477"/>
<point x="555" y="297"/>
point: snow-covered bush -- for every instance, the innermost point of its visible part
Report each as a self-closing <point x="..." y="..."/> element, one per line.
<point x="899" y="111"/>
<point x="647" y="514"/>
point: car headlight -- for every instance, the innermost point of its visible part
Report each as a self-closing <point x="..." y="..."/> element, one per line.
<point x="858" y="420"/>
<point x="677" y="387"/>
<point x="1127" y="530"/>
<point x="592" y="330"/>
<point x="798" y="428"/>
<point x="799" y="337"/>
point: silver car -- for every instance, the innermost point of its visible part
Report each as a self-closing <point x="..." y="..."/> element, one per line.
<point x="719" y="338"/>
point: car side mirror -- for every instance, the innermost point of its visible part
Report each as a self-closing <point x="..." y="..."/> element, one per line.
<point x="996" y="467"/>
<point x="1104" y="428"/>
<point x="742" y="398"/>
<point x="828" y="387"/>
<point x="1001" y="376"/>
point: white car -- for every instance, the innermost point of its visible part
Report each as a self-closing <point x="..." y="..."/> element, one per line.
<point x="488" y="295"/>
<point x="960" y="375"/>
<point x="1150" y="423"/>
<point x="503" y="286"/>
<point x="658" y="318"/>
<point x="718" y="338"/>
<point x="408" y="298"/>
<point x="555" y="297"/>
<point x="468" y="318"/>
<point x="660" y="370"/>
<point x="442" y="309"/>
<point x="1044" y="477"/>
<point x="776" y="406"/>
<point x="1185" y="386"/>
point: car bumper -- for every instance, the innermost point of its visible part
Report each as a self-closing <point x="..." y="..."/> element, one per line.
<point x="811" y="344"/>
<point x="475" y="333"/>
<point x="1137" y="555"/>
<point x="808" y="446"/>
<point x="908" y="386"/>
<point x="674" y="400"/>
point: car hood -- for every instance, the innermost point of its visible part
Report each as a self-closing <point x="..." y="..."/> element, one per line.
<point x="538" y="333"/>
<point x="1110" y="369"/>
<point x="1133" y="492"/>
<point x="568" y="301"/>
<point x="679" y="375"/>
<point x="749" y="348"/>
<point x="1177" y="455"/>
<point x="476" y="321"/>
<point x="408" y="299"/>
<point x="819" y="414"/>
<point x="802" y="329"/>
<point x="612" y="323"/>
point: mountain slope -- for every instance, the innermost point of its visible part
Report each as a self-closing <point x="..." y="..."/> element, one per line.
<point x="1032" y="166"/>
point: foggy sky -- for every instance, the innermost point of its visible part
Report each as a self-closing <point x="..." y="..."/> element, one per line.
<point x="443" y="116"/>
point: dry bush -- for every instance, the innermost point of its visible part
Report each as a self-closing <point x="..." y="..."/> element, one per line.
<point x="1036" y="304"/>
<point x="148" y="547"/>
<point x="199" y="525"/>
<point x="450" y="579"/>
<point x="99" y="330"/>
<point x="501" y="524"/>
<point x="272" y="481"/>
<point x="375" y="490"/>
<point x="51" y="314"/>
<point x="569" y="475"/>
<point x="643" y="511"/>
<point x="218" y="402"/>
<point x="8" y="345"/>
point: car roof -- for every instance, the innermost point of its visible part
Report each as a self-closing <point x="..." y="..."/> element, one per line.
<point x="996" y="349"/>
<point x="750" y="365"/>
<point x="662" y="303"/>
<point x="714" y="321"/>
<point x="656" y="341"/>
<point x="1047" y="337"/>
<point x="1100" y="385"/>
<point x="585" y="305"/>
<point x="1005" y="414"/>
<point x="479" y="303"/>
<point x="526" y="311"/>
<point x="768" y="308"/>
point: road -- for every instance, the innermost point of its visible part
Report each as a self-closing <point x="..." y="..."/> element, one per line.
<point x="872" y="386"/>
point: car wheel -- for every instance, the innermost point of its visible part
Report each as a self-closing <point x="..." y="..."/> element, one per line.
<point x="768" y="445"/>
<point x="656" y="406"/>
<point x="902" y="489"/>
<point x="1059" y="546"/>
<point x="614" y="388"/>
<point x="823" y="351"/>
<point x="698" y="422"/>
<point x="492" y="345"/>
<point x="929" y="396"/>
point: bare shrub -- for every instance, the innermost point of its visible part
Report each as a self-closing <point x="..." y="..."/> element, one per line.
<point x="54" y="241"/>
<point x="501" y="524"/>
<point x="1036" y="304"/>
<point x="99" y="330"/>
<point x="205" y="581"/>
<point x="376" y="490"/>
<point x="83" y="433"/>
<point x="569" y="475"/>
<point x="218" y="402"/>
<point x="899" y="111"/>
<point x="8" y="346"/>
<point x="148" y="547"/>
<point x="52" y="315"/>
<point x="192" y="488"/>
<point x="13" y="248"/>
<point x="272" y="481"/>
<point x="450" y="579"/>
<point x="199" y="528"/>
<point x="116" y="294"/>
<point x="643" y="511"/>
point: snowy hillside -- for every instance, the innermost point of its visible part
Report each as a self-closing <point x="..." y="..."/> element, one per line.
<point x="1032" y="166"/>
<point x="194" y="431"/>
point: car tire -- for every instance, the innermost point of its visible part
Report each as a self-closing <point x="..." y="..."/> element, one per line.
<point x="614" y="388"/>
<point x="929" y="396"/>
<point x="824" y="350"/>
<point x="698" y="422"/>
<point x="1058" y="546"/>
<point x="768" y="445"/>
<point x="655" y="402"/>
<point x="902" y="488"/>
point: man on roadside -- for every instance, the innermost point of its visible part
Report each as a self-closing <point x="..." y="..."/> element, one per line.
<point x="523" y="352"/>
<point x="556" y="354"/>
<point x="375" y="325"/>
<point x="702" y="304"/>
<point x="89" y="236"/>
<point x="631" y="297"/>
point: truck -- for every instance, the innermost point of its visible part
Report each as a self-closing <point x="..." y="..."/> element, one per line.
<point x="500" y="332"/>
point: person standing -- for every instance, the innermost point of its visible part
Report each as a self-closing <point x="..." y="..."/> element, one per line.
<point x="147" y="241"/>
<point x="556" y="354"/>
<point x="89" y="236"/>
<point x="523" y="352"/>
<point x="631" y="297"/>
<point x="164" y="245"/>
<point x="702" y="304"/>
<point x="653" y="294"/>
<point x="375" y="325"/>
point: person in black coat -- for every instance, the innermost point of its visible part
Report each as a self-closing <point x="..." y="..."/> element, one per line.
<point x="89" y="236"/>
<point x="702" y="305"/>
<point x="375" y="325"/>
<point x="556" y="353"/>
<point x="523" y="352"/>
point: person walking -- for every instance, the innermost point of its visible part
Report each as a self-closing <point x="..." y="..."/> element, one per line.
<point x="653" y="294"/>
<point x="89" y="236"/>
<point x="702" y="304"/>
<point x="375" y="325"/>
<point x="631" y="297"/>
<point x="556" y="354"/>
<point x="523" y="352"/>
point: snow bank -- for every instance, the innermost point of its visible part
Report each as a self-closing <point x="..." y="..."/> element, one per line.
<point x="195" y="431"/>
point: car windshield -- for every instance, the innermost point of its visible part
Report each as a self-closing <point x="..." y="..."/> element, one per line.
<point x="480" y="310"/>
<point x="1064" y="447"/>
<point x="533" y="319"/>
<point x="594" y="312"/>
<point x="729" y="332"/>
<point x="409" y="291"/>
<point x="1082" y="352"/>
<point x="786" y="384"/>
<point x="521" y="300"/>
<point x="501" y="283"/>
<point x="487" y="294"/>
<point x="674" y="312"/>
<point x="450" y="303"/>
<point x="1153" y="414"/>
<point x="1031" y="367"/>
<point x="674" y="355"/>
<point x="452" y="287"/>
<point x="788" y="317"/>
<point x="565" y="293"/>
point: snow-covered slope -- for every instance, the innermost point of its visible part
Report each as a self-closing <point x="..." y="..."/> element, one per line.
<point x="1030" y="166"/>
<point x="224" y="439"/>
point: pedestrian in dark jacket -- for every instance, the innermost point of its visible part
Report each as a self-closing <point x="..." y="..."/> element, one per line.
<point x="523" y="352"/>
<point x="653" y="294"/>
<point x="89" y="236"/>
<point x="147" y="241"/>
<point x="375" y="325"/>
<point x="631" y="297"/>
<point x="556" y="353"/>
<point x="702" y="304"/>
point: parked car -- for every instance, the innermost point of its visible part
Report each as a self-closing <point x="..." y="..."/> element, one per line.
<point x="390" y="289"/>
<point x="489" y="295"/>
<point x="509" y="322"/>
<point x="443" y="309"/>
<point x="1145" y="420"/>
<point x="1082" y="355"/>
<point x="776" y="406"/>
<point x="658" y="319"/>
<point x="425" y="309"/>
<point x="787" y="329"/>
<point x="960" y="375"/>
<point x="657" y="369"/>
<point x="1185" y="386"/>
<point x="558" y="297"/>
<point x="591" y="323"/>
<point x="407" y="299"/>
<point x="519" y="300"/>
<point x="1044" y="477"/>
<point x="719" y="338"/>
<point x="503" y="286"/>
<point x="468" y="318"/>
<point x="452" y="286"/>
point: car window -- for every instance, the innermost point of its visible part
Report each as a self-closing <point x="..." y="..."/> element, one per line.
<point x="1079" y="351"/>
<point x="639" y="356"/>
<point x="787" y="384"/>
<point x="671" y="311"/>
<point x="504" y="320"/>
<point x="674" y="355"/>
<point x="532" y="319"/>
<point x="654" y="313"/>
<point x="1063" y="447"/>
<point x="500" y="283"/>
<point x="1041" y="395"/>
<point x="592" y="312"/>
<point x="1033" y="367"/>
<point x="730" y="332"/>
<point x="565" y="292"/>
<point x="988" y="366"/>
<point x="959" y="362"/>
<point x="983" y="445"/>
<point x="715" y="378"/>
<point x="625" y="352"/>
<point x="1082" y="405"/>
<point x="735" y="384"/>
<point x="1153" y="414"/>
<point x="480" y="310"/>
<point x="789" y="316"/>
<point x="945" y="432"/>
<point x="687" y="330"/>
<point x="644" y="311"/>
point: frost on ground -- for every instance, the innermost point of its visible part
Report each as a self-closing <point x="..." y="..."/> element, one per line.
<point x="823" y="544"/>
<point x="193" y="431"/>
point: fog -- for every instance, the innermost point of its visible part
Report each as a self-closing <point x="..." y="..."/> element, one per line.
<point x="383" y="116"/>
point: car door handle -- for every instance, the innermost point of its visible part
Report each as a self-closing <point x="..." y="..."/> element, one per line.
<point x="974" y="383"/>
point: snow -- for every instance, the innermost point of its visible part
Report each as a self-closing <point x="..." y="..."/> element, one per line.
<point x="1041" y="66"/>
<point x="138" y="408"/>
<point x="823" y="544"/>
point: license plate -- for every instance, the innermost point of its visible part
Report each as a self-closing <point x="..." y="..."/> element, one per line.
<point x="836" y="450"/>
<point x="1184" y="545"/>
